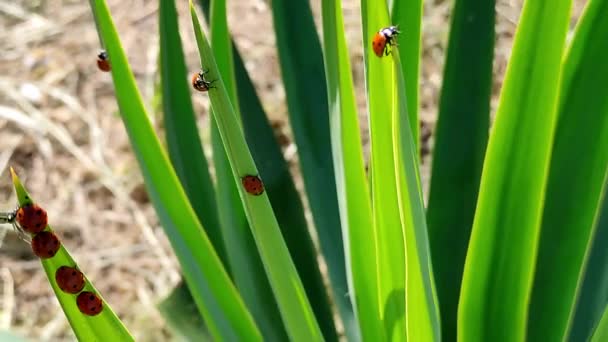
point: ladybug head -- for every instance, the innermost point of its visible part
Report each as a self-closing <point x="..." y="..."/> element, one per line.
<point x="103" y="55"/>
<point x="391" y="31"/>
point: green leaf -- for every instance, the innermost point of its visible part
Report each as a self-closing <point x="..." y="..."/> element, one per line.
<point x="575" y="185"/>
<point x="183" y="140"/>
<point x="390" y="236"/>
<point x="499" y="267"/>
<point x="594" y="286"/>
<point x="301" y="60"/>
<point x="215" y="295"/>
<point x="249" y="275"/>
<point x="104" y="326"/>
<point x="421" y="306"/>
<point x="461" y="136"/>
<point x="408" y="15"/>
<point x="182" y="317"/>
<point x="601" y="331"/>
<point x="351" y="182"/>
<point x="293" y="304"/>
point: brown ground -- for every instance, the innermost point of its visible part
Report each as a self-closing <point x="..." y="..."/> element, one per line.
<point x="59" y="129"/>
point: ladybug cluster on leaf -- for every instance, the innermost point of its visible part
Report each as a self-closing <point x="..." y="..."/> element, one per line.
<point x="31" y="218"/>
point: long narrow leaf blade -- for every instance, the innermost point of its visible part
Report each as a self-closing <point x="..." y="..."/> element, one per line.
<point x="408" y="15"/>
<point x="249" y="275"/>
<point x="215" y="295"/>
<point x="104" y="326"/>
<point x="302" y="71"/>
<point x="575" y="186"/>
<point x="594" y="286"/>
<point x="461" y="136"/>
<point x="293" y="304"/>
<point x="499" y="267"/>
<point x="421" y="306"/>
<point x="351" y="182"/>
<point x="183" y="140"/>
<point x="388" y="227"/>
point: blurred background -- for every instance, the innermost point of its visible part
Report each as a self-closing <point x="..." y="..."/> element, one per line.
<point x="60" y="130"/>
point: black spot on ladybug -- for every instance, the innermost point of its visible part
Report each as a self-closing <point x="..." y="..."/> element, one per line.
<point x="253" y="185"/>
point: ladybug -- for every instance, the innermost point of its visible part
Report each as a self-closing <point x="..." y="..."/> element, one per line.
<point x="45" y="244"/>
<point x="89" y="303"/>
<point x="253" y="185"/>
<point x="69" y="279"/>
<point x="200" y="83"/>
<point x="32" y="218"/>
<point x="383" y="39"/>
<point x="103" y="61"/>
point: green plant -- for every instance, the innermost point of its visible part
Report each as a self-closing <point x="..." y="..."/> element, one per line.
<point x="499" y="254"/>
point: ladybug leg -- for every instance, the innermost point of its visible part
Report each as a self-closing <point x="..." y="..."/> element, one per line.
<point x="21" y="233"/>
<point x="386" y="50"/>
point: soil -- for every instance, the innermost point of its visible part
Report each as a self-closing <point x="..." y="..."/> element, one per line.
<point x="60" y="130"/>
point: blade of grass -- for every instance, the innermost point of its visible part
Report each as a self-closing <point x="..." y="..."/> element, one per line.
<point x="408" y="15"/>
<point x="104" y="326"/>
<point x="499" y="267"/>
<point x="594" y="287"/>
<point x="421" y="306"/>
<point x="293" y="304"/>
<point x="575" y="185"/>
<point x="418" y="300"/>
<point x="183" y="140"/>
<point x="389" y="230"/>
<point x="301" y="61"/>
<point x="461" y="136"/>
<point x="351" y="182"/>
<point x="215" y="295"/>
<point x="249" y="274"/>
<point x="601" y="331"/>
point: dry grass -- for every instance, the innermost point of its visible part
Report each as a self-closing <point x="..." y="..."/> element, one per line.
<point x="59" y="129"/>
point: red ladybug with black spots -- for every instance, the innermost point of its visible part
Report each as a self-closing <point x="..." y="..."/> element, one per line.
<point x="69" y="279"/>
<point x="45" y="244"/>
<point x="32" y="218"/>
<point x="253" y="185"/>
<point x="89" y="303"/>
<point x="383" y="39"/>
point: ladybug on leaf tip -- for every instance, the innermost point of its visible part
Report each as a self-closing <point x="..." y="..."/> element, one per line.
<point x="31" y="218"/>
<point x="383" y="39"/>
<point x="200" y="83"/>
<point x="103" y="61"/>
